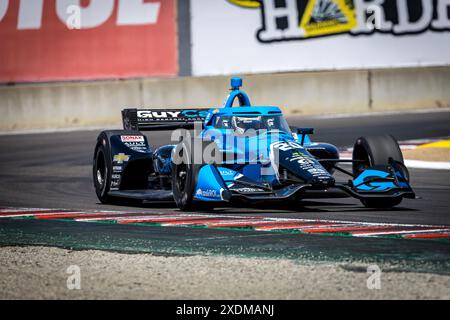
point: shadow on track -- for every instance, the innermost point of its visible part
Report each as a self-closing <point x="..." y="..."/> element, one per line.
<point x="266" y="207"/>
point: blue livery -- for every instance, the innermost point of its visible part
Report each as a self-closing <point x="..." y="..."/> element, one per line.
<point x="241" y="152"/>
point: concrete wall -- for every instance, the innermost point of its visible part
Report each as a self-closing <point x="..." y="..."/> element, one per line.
<point x="99" y="103"/>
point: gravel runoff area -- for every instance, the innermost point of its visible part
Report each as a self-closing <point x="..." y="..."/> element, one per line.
<point x="41" y="273"/>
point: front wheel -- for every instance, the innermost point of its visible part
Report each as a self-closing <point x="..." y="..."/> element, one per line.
<point x="373" y="151"/>
<point x="383" y="203"/>
<point x="185" y="172"/>
<point x="184" y="177"/>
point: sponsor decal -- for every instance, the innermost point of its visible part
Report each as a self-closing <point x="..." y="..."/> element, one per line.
<point x="135" y="143"/>
<point x="121" y="158"/>
<point x="370" y="174"/>
<point x="62" y="39"/>
<point x="248" y="190"/>
<point x="285" y="20"/>
<point x="132" y="138"/>
<point x="208" y="193"/>
<point x="227" y="172"/>
<point x="158" y="114"/>
<point x="287" y="145"/>
<point x="324" y="17"/>
<point x="114" y="184"/>
<point x="309" y="164"/>
<point x="299" y="156"/>
<point x="174" y="115"/>
<point x="136" y="146"/>
<point x="117" y="169"/>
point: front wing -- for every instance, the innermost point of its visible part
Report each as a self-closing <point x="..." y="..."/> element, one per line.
<point x="223" y="184"/>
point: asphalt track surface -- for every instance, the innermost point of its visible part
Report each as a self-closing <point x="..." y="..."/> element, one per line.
<point x="53" y="170"/>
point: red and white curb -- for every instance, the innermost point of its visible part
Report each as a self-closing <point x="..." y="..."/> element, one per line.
<point x="305" y="226"/>
<point x="346" y="154"/>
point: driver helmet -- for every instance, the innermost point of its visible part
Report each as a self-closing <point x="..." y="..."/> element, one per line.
<point x="271" y="124"/>
<point x="241" y="124"/>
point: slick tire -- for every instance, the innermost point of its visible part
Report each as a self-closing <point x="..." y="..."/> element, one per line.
<point x="102" y="169"/>
<point x="376" y="151"/>
<point x="382" y="203"/>
<point x="185" y="176"/>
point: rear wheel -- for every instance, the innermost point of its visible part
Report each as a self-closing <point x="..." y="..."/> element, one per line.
<point x="102" y="171"/>
<point x="376" y="151"/>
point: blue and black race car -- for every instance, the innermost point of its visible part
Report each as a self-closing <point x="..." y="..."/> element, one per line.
<point x="236" y="154"/>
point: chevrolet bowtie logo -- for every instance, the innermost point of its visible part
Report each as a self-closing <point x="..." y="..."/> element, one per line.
<point x="121" y="157"/>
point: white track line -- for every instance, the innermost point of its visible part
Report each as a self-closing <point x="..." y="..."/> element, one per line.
<point x="19" y="214"/>
<point x="136" y="218"/>
<point x="346" y="154"/>
<point x="434" y="165"/>
<point x="384" y="233"/>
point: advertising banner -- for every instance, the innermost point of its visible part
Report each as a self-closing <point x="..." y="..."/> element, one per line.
<point x="51" y="40"/>
<point x="246" y="36"/>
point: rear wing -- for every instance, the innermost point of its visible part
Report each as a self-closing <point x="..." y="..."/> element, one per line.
<point x="162" y="119"/>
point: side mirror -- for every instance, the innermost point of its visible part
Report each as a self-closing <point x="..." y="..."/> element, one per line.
<point x="304" y="132"/>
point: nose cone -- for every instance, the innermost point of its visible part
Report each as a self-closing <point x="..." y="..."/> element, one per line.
<point x="322" y="181"/>
<point x="302" y="164"/>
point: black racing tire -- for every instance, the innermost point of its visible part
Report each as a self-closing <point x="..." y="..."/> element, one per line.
<point x="185" y="177"/>
<point x="383" y="203"/>
<point x="376" y="151"/>
<point x="102" y="172"/>
<point x="102" y="169"/>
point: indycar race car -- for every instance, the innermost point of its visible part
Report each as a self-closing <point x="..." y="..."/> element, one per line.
<point x="239" y="154"/>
